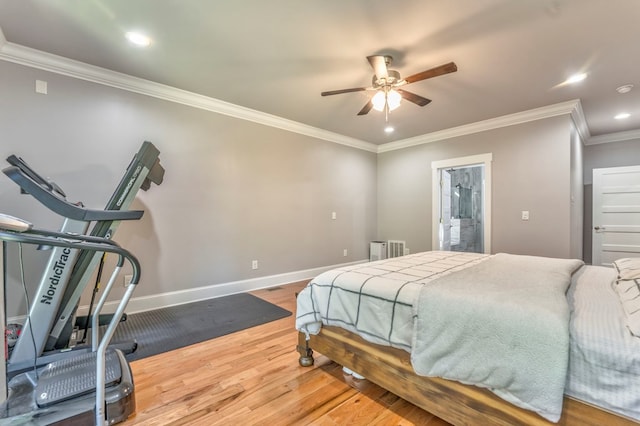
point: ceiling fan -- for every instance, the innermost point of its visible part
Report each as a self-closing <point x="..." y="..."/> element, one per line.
<point x="387" y="83"/>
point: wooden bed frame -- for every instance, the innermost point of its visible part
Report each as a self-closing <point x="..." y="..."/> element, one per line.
<point x="452" y="401"/>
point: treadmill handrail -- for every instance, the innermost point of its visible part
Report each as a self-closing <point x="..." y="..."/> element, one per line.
<point x="20" y="163"/>
<point x="44" y="194"/>
<point x="82" y="242"/>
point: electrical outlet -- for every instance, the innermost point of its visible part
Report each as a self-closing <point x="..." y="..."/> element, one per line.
<point x="254" y="264"/>
<point x="345" y="252"/>
<point x="127" y="279"/>
<point x="525" y="214"/>
<point x="41" y="87"/>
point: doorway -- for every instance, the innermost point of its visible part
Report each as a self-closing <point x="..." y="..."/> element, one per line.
<point x="462" y="204"/>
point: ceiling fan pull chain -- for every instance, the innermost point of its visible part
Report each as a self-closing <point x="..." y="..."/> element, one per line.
<point x="386" y="108"/>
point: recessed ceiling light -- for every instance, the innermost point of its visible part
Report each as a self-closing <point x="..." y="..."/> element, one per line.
<point x="138" y="39"/>
<point x="576" y="78"/>
<point x="389" y="129"/>
<point x="624" y="89"/>
<point x="622" y="116"/>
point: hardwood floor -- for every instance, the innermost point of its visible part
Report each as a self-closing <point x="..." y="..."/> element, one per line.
<point x="252" y="377"/>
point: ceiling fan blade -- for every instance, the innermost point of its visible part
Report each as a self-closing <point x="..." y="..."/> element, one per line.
<point x="433" y="72"/>
<point x="412" y="97"/>
<point x="366" y="108"/>
<point x="337" y="92"/>
<point x="379" y="65"/>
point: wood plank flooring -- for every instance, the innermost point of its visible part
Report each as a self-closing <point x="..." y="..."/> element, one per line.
<point x="252" y="377"/>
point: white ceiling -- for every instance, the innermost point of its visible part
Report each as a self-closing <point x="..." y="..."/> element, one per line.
<point x="277" y="56"/>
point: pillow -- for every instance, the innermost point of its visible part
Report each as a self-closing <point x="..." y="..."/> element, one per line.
<point x="629" y="293"/>
<point x="628" y="268"/>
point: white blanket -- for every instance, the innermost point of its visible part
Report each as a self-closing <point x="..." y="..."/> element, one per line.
<point x="502" y="324"/>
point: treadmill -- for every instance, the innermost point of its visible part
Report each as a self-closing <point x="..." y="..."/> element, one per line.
<point x="83" y="388"/>
<point x="51" y="319"/>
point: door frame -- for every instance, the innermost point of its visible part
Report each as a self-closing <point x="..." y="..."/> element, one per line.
<point x="472" y="160"/>
<point x="444" y="234"/>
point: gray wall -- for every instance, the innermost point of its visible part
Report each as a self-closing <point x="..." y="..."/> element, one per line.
<point x="613" y="154"/>
<point x="531" y="171"/>
<point x="234" y="191"/>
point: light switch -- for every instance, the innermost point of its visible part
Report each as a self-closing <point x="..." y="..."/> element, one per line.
<point x="333" y="215"/>
<point x="525" y="214"/>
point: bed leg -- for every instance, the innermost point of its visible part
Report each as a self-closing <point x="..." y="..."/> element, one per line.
<point x="306" y="353"/>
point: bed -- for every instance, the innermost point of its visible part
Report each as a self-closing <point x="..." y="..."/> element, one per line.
<point x="562" y="354"/>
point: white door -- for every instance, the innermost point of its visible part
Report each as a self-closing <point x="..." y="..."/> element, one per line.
<point x="616" y="214"/>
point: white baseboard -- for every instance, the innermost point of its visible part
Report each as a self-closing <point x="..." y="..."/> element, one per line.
<point x="156" y="301"/>
<point x="163" y="300"/>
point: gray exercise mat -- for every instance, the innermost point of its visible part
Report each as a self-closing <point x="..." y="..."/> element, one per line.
<point x="175" y="327"/>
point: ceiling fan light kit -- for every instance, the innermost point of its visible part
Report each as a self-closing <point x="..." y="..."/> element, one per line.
<point x="387" y="85"/>
<point x="386" y="99"/>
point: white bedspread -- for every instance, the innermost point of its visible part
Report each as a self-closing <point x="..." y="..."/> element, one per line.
<point x="502" y="324"/>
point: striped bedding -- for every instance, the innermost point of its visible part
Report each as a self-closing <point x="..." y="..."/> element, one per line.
<point x="604" y="358"/>
<point x="376" y="300"/>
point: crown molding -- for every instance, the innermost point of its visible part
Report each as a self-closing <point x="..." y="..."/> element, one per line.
<point x="614" y="137"/>
<point x="57" y="64"/>
<point x="33" y="58"/>
<point x="569" y="107"/>
<point x="577" y="115"/>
